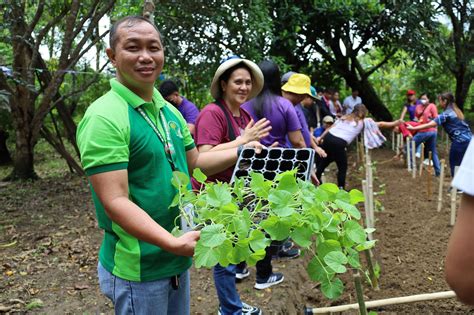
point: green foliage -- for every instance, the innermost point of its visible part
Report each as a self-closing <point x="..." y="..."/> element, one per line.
<point x="238" y="222"/>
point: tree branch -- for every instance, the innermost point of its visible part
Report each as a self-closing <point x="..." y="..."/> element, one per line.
<point x="375" y="68"/>
<point x="36" y="18"/>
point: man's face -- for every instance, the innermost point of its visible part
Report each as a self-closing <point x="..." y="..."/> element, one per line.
<point x="138" y="55"/>
<point x="293" y="98"/>
<point x="355" y="93"/>
<point x="173" y="98"/>
<point x="307" y="101"/>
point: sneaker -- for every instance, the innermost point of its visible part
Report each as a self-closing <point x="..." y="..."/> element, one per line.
<point x="287" y="245"/>
<point x="250" y="310"/>
<point x="242" y="274"/>
<point x="289" y="253"/>
<point x="426" y="162"/>
<point x="274" y="278"/>
<point x="418" y="155"/>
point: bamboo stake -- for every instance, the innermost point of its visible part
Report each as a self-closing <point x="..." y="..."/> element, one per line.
<point x="413" y="158"/>
<point x="454" y="193"/>
<point x="393" y="140"/>
<point x="397" y="149"/>
<point x="370" y="183"/>
<point x="365" y="190"/>
<point x="384" y="302"/>
<point x="373" y="277"/>
<point x="357" y="149"/>
<point x="440" y="189"/>
<point x="359" y="293"/>
<point x="408" y="154"/>
<point x="422" y="158"/>
<point x="428" y="177"/>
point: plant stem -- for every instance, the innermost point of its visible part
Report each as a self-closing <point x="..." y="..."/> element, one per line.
<point x="359" y="292"/>
<point x="373" y="277"/>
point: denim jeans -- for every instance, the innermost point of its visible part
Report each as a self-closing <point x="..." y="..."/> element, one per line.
<point x="456" y="154"/>
<point x="151" y="297"/>
<point x="229" y="298"/>
<point x="429" y="139"/>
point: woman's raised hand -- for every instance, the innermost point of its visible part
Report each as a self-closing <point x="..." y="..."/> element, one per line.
<point x="256" y="131"/>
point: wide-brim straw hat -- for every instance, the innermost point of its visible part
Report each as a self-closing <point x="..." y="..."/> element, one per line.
<point x="298" y="83"/>
<point x="256" y="73"/>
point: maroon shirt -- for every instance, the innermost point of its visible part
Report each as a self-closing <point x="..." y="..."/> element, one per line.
<point x="212" y="128"/>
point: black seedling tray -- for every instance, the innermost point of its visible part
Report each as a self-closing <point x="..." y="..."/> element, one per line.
<point x="273" y="161"/>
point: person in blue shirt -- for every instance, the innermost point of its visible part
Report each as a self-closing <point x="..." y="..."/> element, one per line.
<point x="327" y="122"/>
<point x="452" y="120"/>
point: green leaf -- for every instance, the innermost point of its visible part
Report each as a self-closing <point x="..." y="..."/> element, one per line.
<point x="258" y="240"/>
<point x="324" y="248"/>
<point x="355" y="232"/>
<point x="302" y="236"/>
<point x="241" y="226"/>
<point x="366" y="245"/>
<point x="176" y="232"/>
<point x="256" y="257"/>
<point x="35" y="303"/>
<point x="223" y="252"/>
<point x="353" y="258"/>
<point x="332" y="289"/>
<point x="218" y="195"/>
<point x="329" y="187"/>
<point x="316" y="270"/>
<point x="212" y="235"/>
<point x="280" y="200"/>
<point x="205" y="256"/>
<point x="287" y="182"/>
<point x="279" y="229"/>
<point x="356" y="196"/>
<point x="336" y="261"/>
<point x="199" y="176"/>
<point x="343" y="196"/>
<point x="179" y="179"/>
<point x="259" y="185"/>
<point x="240" y="252"/>
<point x="349" y="209"/>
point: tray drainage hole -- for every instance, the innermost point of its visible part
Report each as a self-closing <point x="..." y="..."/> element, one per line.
<point x="289" y="154"/>
<point x="269" y="175"/>
<point x="244" y="164"/>
<point x="271" y="165"/>
<point x="301" y="166"/>
<point x="302" y="155"/>
<point x="257" y="165"/>
<point x="286" y="166"/>
<point x="274" y="154"/>
<point x="263" y="154"/>
<point x="247" y="153"/>
<point x="301" y="176"/>
<point x="241" y="173"/>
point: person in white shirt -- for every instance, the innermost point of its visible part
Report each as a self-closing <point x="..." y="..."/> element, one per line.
<point x="351" y="101"/>
<point x="459" y="265"/>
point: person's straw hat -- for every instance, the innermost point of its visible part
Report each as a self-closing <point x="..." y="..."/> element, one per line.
<point x="257" y="76"/>
<point x="298" y="83"/>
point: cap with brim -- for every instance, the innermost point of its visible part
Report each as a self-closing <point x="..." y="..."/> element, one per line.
<point x="328" y="119"/>
<point x="257" y="77"/>
<point x="411" y="92"/>
<point x="298" y="84"/>
<point x="286" y="77"/>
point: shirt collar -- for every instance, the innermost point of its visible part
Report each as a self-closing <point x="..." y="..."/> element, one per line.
<point x="133" y="99"/>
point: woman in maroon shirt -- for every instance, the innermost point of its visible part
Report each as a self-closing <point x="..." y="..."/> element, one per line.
<point x="221" y="125"/>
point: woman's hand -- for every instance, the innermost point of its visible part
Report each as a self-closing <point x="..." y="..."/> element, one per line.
<point x="321" y="152"/>
<point x="319" y="140"/>
<point x="256" y="145"/>
<point x="256" y="131"/>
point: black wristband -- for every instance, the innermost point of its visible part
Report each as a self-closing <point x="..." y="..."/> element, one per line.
<point x="239" y="150"/>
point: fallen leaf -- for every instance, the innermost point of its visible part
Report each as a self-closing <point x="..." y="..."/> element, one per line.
<point x="81" y="287"/>
<point x="9" y="272"/>
<point x="35" y="303"/>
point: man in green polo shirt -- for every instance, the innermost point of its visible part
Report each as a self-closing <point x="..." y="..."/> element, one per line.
<point x="130" y="141"/>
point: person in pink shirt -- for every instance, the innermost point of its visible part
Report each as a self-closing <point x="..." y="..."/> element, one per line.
<point x="426" y="112"/>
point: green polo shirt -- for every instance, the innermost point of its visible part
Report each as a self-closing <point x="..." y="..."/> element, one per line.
<point x="114" y="136"/>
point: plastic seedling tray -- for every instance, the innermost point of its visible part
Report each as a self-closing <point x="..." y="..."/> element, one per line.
<point x="273" y="161"/>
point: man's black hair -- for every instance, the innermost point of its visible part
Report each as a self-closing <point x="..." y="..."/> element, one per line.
<point x="167" y="88"/>
<point x="130" y="21"/>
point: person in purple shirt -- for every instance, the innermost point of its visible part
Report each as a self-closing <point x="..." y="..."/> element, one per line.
<point x="269" y="104"/>
<point x="410" y="106"/>
<point x="190" y="112"/>
<point x="295" y="90"/>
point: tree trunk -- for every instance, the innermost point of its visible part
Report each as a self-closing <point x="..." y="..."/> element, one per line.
<point x="372" y="101"/>
<point x="5" y="157"/>
<point x="23" y="165"/>
<point x="463" y="83"/>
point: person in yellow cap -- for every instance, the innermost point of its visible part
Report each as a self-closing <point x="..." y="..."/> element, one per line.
<point x="295" y="90"/>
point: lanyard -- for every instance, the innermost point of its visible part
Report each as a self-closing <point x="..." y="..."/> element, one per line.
<point x="167" y="143"/>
